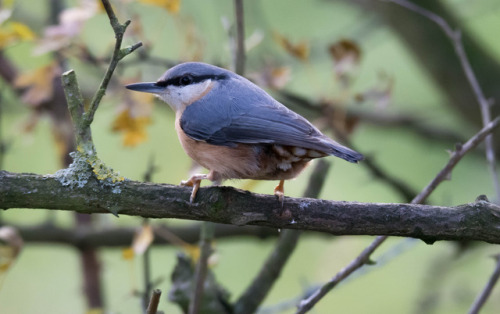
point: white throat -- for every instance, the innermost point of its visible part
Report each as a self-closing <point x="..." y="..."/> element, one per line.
<point x="178" y="97"/>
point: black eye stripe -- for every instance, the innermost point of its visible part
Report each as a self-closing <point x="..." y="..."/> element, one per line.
<point x="187" y="79"/>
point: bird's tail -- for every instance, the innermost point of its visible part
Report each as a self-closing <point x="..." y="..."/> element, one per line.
<point x="343" y="152"/>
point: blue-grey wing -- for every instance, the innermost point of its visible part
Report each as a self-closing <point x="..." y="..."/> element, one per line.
<point x="252" y="116"/>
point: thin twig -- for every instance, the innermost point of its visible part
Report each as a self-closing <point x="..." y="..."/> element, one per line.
<point x="481" y="298"/>
<point x="455" y="157"/>
<point x="364" y="257"/>
<point x="153" y="303"/>
<point x="272" y="267"/>
<point x="240" y="38"/>
<point x="358" y="262"/>
<point x="456" y="38"/>
<point x="118" y="54"/>
<point x="206" y="238"/>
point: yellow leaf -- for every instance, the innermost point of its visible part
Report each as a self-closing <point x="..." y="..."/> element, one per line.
<point x="22" y="31"/>
<point x="143" y="239"/>
<point x="128" y="253"/>
<point x="133" y="128"/>
<point x="38" y="84"/>
<point x="11" y="32"/>
<point x="299" y="50"/>
<point x="193" y="251"/>
<point x="172" y="6"/>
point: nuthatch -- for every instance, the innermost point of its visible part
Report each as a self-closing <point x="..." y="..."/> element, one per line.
<point x="236" y="130"/>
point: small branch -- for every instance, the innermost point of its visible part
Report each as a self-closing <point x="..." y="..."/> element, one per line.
<point x="455" y="157"/>
<point x="358" y="262"/>
<point x="240" y="37"/>
<point x="206" y="238"/>
<point x="484" y="105"/>
<point x="272" y="267"/>
<point x="118" y="54"/>
<point x="153" y="303"/>
<point x="481" y="299"/>
<point x="74" y="99"/>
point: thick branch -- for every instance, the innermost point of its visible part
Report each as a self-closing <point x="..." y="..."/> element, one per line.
<point x="475" y="221"/>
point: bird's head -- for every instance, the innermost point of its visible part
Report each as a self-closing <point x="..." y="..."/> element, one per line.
<point x="184" y="84"/>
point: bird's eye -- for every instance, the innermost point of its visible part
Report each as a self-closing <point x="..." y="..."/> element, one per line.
<point x="186" y="80"/>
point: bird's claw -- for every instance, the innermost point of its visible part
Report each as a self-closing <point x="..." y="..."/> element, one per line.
<point x="195" y="182"/>
<point x="279" y="191"/>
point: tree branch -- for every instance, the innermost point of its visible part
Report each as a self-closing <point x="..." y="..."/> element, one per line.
<point x="475" y="221"/>
<point x="206" y="238"/>
<point x="123" y="236"/>
<point x="153" y="303"/>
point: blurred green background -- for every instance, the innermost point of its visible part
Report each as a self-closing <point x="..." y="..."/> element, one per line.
<point x="414" y="278"/>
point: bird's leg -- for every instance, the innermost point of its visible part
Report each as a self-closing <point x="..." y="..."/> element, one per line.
<point x="279" y="191"/>
<point x="194" y="181"/>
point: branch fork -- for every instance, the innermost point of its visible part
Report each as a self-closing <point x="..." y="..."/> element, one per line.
<point x="86" y="163"/>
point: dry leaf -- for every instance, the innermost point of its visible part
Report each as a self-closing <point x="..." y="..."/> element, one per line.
<point x="38" y="84"/>
<point x="193" y="251"/>
<point x="128" y="253"/>
<point x="133" y="128"/>
<point x="134" y="117"/>
<point x="346" y="55"/>
<point x="272" y="77"/>
<point x="70" y="25"/>
<point x="11" y="245"/>
<point x="143" y="239"/>
<point x="299" y="50"/>
<point x="172" y="6"/>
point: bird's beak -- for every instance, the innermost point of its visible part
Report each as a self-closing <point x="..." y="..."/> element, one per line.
<point x="149" y="87"/>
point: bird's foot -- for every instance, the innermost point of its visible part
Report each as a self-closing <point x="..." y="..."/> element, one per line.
<point x="195" y="182"/>
<point x="279" y="191"/>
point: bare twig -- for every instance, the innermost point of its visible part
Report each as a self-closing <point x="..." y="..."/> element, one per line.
<point x="153" y="303"/>
<point x="481" y="298"/>
<point x="271" y="269"/>
<point x="358" y="262"/>
<point x="456" y="156"/>
<point x="206" y="238"/>
<point x="364" y="257"/>
<point x="240" y="38"/>
<point x="456" y="38"/>
<point x="118" y="54"/>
